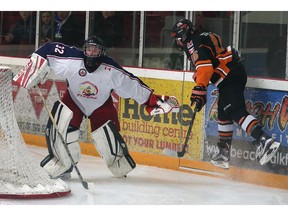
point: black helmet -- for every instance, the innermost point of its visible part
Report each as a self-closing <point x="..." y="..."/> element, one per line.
<point x="182" y="30"/>
<point x="90" y="45"/>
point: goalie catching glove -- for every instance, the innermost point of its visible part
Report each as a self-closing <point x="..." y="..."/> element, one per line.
<point x="160" y="104"/>
<point x="33" y="73"/>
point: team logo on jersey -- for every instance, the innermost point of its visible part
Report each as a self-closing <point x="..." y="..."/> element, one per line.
<point x="88" y="90"/>
<point x="190" y="44"/>
<point x="82" y="72"/>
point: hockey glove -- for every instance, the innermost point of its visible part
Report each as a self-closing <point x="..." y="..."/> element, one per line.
<point x="198" y="97"/>
<point x="158" y="104"/>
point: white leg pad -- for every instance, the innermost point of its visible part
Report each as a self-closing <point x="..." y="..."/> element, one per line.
<point x="62" y="116"/>
<point x="60" y="158"/>
<point x="111" y="147"/>
<point x="73" y="146"/>
<point x="55" y="168"/>
<point x="110" y="150"/>
<point x="121" y="168"/>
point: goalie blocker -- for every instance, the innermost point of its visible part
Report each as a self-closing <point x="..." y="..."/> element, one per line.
<point x="112" y="148"/>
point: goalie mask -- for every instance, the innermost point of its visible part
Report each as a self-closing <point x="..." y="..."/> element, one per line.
<point x="182" y="32"/>
<point x="93" y="49"/>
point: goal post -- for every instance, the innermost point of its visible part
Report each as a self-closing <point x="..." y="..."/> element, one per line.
<point x="20" y="176"/>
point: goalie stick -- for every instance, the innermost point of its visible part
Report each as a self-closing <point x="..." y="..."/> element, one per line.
<point x="84" y="183"/>
<point x="169" y="152"/>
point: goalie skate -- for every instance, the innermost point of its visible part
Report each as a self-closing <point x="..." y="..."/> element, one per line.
<point x="266" y="150"/>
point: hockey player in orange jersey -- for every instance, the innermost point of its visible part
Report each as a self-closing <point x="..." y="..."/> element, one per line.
<point x="221" y="66"/>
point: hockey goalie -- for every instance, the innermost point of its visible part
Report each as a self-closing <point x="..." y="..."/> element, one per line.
<point x="91" y="77"/>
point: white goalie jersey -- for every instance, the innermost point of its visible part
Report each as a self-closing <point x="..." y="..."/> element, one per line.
<point x="88" y="90"/>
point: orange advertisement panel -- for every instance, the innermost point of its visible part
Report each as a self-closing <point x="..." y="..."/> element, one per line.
<point x="151" y="134"/>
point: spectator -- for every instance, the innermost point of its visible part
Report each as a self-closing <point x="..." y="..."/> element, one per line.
<point x="199" y="23"/>
<point x="46" y="27"/>
<point x="23" y="32"/>
<point x="68" y="29"/>
<point x="109" y="26"/>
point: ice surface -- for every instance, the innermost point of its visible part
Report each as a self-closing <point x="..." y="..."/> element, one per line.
<point x="152" y="186"/>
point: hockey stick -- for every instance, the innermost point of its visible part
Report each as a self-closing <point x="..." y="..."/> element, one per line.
<point x="84" y="183"/>
<point x="169" y="152"/>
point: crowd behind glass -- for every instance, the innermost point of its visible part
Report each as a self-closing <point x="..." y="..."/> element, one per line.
<point x="261" y="37"/>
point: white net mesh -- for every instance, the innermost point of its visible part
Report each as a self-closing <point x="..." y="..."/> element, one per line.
<point x="20" y="176"/>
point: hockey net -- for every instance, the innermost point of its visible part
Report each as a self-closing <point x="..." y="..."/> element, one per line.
<point x="20" y="176"/>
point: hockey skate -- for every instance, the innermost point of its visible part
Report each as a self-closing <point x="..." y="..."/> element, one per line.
<point x="266" y="150"/>
<point x="221" y="159"/>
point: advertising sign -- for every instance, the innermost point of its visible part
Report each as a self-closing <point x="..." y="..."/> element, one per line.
<point x="150" y="134"/>
<point x="271" y="109"/>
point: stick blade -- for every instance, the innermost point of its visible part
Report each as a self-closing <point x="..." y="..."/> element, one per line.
<point x="169" y="152"/>
<point x="85" y="185"/>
